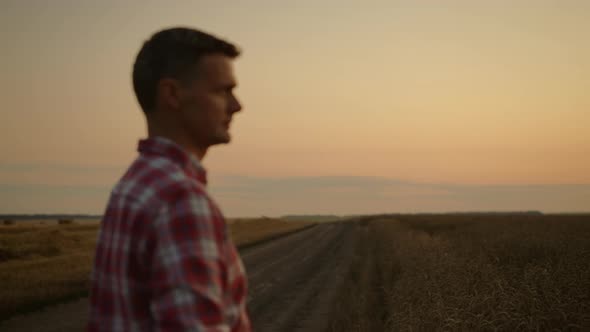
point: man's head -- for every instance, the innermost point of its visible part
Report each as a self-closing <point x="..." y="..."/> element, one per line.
<point x="183" y="79"/>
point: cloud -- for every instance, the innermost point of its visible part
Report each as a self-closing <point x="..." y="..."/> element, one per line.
<point x="59" y="174"/>
<point x="42" y="198"/>
<point x="350" y="195"/>
<point x="241" y="196"/>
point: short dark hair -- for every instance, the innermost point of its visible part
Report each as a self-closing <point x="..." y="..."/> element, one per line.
<point x="172" y="53"/>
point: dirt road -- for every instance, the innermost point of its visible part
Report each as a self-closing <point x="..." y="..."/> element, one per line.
<point x="292" y="280"/>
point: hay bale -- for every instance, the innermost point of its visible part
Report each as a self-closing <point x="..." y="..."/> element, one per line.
<point x="65" y="221"/>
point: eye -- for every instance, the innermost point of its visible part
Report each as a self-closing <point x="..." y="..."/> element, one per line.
<point x="226" y="90"/>
<point x="229" y="91"/>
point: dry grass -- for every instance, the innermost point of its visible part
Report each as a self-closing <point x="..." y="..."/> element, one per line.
<point x="46" y="263"/>
<point x="468" y="273"/>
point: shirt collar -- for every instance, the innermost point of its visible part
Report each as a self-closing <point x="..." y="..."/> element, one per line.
<point x="166" y="147"/>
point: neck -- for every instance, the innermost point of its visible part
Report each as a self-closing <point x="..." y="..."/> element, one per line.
<point x="176" y="136"/>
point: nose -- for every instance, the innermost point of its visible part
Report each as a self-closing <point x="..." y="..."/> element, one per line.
<point x="235" y="105"/>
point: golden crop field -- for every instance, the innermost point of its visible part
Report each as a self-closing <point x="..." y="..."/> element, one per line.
<point x="43" y="262"/>
<point x="469" y="273"/>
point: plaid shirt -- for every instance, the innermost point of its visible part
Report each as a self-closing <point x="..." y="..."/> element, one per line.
<point x="164" y="260"/>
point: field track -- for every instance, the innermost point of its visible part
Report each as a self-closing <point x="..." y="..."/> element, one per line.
<point x="292" y="280"/>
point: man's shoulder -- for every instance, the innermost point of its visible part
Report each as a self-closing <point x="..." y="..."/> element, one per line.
<point x="149" y="180"/>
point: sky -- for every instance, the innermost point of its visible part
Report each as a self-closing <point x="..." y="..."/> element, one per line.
<point x="349" y="107"/>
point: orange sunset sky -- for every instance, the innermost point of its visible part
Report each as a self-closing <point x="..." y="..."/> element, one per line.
<point x="349" y="106"/>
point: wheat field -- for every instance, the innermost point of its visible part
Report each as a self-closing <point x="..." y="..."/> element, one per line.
<point x="469" y="273"/>
<point x="409" y="272"/>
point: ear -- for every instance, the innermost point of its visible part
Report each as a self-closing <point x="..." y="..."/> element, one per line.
<point x="169" y="92"/>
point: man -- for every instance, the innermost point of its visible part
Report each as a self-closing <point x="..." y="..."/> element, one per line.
<point x="164" y="261"/>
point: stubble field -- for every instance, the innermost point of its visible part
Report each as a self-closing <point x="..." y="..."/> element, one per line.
<point x="43" y="262"/>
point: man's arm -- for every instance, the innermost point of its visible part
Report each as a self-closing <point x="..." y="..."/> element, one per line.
<point x="187" y="267"/>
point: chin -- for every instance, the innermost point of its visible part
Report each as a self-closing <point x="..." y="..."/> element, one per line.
<point x="222" y="139"/>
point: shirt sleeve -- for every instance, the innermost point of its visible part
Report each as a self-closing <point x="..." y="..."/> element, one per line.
<point x="187" y="267"/>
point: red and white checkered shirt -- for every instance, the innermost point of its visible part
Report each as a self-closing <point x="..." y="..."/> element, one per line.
<point x="164" y="259"/>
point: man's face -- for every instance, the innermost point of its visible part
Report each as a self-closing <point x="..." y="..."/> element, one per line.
<point x="208" y="103"/>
